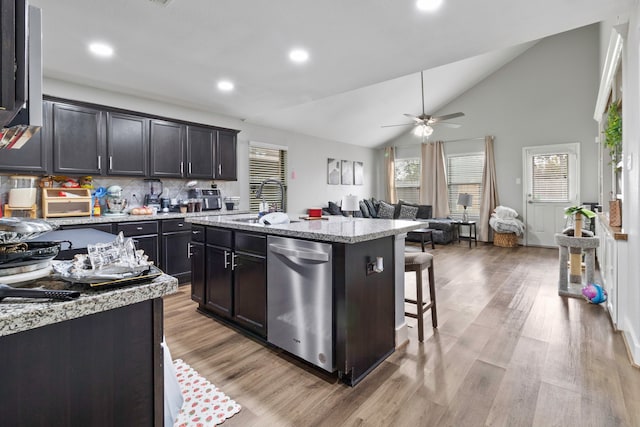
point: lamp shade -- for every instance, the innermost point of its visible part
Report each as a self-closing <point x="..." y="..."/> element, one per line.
<point x="465" y="199"/>
<point x="350" y="203"/>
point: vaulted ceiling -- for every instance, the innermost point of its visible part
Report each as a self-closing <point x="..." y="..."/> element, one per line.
<point x="363" y="68"/>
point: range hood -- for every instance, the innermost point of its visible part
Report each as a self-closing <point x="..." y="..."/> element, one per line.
<point x="20" y="103"/>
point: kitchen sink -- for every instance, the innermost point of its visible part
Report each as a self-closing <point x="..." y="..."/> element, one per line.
<point x="254" y="220"/>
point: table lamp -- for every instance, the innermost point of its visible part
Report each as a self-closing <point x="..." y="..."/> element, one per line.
<point x="465" y="199"/>
<point x="350" y="204"/>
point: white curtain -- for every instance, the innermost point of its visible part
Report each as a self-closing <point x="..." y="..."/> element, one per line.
<point x="433" y="188"/>
<point x="390" y="177"/>
<point x="489" y="197"/>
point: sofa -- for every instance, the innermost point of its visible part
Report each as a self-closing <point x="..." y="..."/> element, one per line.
<point x="443" y="230"/>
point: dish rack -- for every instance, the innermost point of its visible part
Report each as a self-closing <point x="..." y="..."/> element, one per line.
<point x="61" y="202"/>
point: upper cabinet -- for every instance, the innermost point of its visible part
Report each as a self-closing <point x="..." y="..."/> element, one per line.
<point x="226" y="156"/>
<point x="200" y="152"/>
<point x="127" y="144"/>
<point x="35" y="155"/>
<point x="78" y="139"/>
<point x="95" y="140"/>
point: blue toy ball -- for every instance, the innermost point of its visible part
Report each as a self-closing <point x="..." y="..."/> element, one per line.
<point x="594" y="293"/>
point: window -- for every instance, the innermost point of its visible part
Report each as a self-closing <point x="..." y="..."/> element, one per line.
<point x="265" y="163"/>
<point x="407" y="179"/>
<point x="550" y="181"/>
<point x="464" y="173"/>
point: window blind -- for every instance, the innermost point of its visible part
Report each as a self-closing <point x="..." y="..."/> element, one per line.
<point x="464" y="175"/>
<point x="550" y="182"/>
<point x="265" y="163"/>
<point x="407" y="179"/>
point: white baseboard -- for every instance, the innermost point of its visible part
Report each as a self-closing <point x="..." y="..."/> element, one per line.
<point x="402" y="335"/>
<point x="633" y="343"/>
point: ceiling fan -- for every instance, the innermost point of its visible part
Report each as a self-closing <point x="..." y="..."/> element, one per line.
<point x="424" y="122"/>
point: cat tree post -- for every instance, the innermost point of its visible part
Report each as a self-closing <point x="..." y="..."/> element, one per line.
<point x="575" y="260"/>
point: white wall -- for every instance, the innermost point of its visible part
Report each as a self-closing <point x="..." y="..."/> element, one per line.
<point x="544" y="96"/>
<point x="628" y="273"/>
<point x="307" y="155"/>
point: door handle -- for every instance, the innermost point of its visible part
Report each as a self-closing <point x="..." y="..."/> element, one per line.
<point x="297" y="253"/>
<point x="189" y="250"/>
<point x="99" y="162"/>
<point x="181" y="168"/>
<point x="233" y="261"/>
<point x="220" y="169"/>
<point x="226" y="259"/>
<point x="110" y="163"/>
<point x="189" y="167"/>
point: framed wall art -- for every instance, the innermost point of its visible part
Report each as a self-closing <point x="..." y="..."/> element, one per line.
<point x="347" y="172"/>
<point x="333" y="171"/>
<point x="358" y="173"/>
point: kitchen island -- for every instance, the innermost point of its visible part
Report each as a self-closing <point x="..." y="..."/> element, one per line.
<point x="95" y="360"/>
<point x="234" y="273"/>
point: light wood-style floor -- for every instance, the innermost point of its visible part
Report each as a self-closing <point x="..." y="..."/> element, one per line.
<point x="509" y="352"/>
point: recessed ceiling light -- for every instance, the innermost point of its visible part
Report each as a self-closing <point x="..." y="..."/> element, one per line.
<point x="225" y="85"/>
<point x="101" y="49"/>
<point x="299" y="55"/>
<point x="428" y="5"/>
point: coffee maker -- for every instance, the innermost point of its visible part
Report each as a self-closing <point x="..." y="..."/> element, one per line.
<point x="154" y="190"/>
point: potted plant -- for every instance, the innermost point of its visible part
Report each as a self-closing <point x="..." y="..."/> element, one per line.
<point x="613" y="133"/>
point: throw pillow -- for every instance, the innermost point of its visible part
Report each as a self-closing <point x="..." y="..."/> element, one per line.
<point x="408" y="212"/>
<point x="334" y="209"/>
<point x="424" y="211"/>
<point x="364" y="209"/>
<point x="386" y="210"/>
<point x="372" y="210"/>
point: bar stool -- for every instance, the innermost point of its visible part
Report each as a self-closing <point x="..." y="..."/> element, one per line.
<point x="418" y="261"/>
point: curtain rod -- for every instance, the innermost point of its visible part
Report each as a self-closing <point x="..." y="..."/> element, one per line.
<point x="479" y="138"/>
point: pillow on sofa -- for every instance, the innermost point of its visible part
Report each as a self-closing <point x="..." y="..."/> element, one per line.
<point x="424" y="211"/>
<point x="407" y="212"/>
<point x="372" y="210"/>
<point x="334" y="209"/>
<point x="364" y="209"/>
<point x="386" y="210"/>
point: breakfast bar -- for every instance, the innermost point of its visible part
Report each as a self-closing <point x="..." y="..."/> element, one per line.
<point x="329" y="291"/>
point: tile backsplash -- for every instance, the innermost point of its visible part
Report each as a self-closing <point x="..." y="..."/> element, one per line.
<point x="133" y="189"/>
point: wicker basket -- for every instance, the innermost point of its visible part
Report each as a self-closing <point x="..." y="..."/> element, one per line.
<point x="505" y="240"/>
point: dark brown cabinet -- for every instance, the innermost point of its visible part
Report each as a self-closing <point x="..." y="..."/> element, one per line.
<point x="166" y="153"/>
<point x="235" y="286"/>
<point x="35" y="155"/>
<point x="198" y="268"/>
<point x="127" y="144"/>
<point x="78" y="139"/>
<point x="13" y="59"/>
<point x="200" y="148"/>
<point x="226" y="156"/>
<point x="176" y="249"/>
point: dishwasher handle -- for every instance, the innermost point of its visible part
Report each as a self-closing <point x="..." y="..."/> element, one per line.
<point x="297" y="253"/>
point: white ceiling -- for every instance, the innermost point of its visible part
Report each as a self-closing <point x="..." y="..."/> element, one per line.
<point x="365" y="54"/>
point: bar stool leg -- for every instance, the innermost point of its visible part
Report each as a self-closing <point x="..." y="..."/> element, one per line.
<point x="432" y="297"/>
<point x="419" y="305"/>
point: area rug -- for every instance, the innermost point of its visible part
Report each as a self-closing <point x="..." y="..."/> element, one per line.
<point x="204" y="404"/>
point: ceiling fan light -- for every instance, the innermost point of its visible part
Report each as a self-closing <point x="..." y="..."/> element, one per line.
<point x="422" y="130"/>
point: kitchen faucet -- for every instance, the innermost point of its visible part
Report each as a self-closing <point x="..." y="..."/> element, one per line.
<point x="271" y="181"/>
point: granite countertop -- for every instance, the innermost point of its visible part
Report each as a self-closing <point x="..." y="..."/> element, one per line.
<point x="337" y="229"/>
<point x="81" y="220"/>
<point x="23" y="314"/>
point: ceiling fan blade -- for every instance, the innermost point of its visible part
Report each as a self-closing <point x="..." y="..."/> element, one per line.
<point x="446" y="117"/>
<point x="404" y="124"/>
<point x="414" y="118"/>
<point x="445" y="124"/>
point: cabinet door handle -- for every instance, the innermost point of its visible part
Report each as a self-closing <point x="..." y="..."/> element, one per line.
<point x="233" y="261"/>
<point x="110" y="163"/>
<point x="226" y="260"/>
<point x="181" y="168"/>
<point x="99" y="162"/>
<point x="189" y="167"/>
<point x="139" y="228"/>
<point x="195" y="232"/>
<point x="189" y="250"/>
<point x="220" y="169"/>
<point x="180" y="225"/>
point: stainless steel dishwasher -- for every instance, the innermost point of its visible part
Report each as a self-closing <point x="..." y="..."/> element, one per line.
<point x="300" y="299"/>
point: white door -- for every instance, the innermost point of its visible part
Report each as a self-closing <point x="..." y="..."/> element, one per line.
<point x="551" y="184"/>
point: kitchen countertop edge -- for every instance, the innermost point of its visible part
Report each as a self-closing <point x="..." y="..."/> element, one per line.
<point x="24" y="315"/>
<point x="372" y="228"/>
<point x="86" y="220"/>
